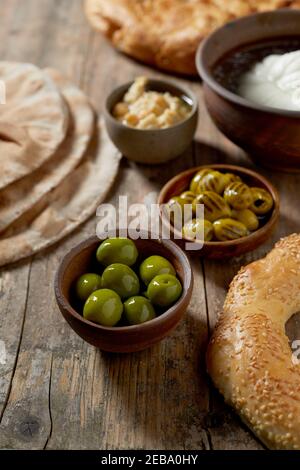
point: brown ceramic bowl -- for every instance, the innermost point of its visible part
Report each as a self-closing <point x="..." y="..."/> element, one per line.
<point x="157" y="145"/>
<point x="122" y="338"/>
<point x="216" y="249"/>
<point x="270" y="136"/>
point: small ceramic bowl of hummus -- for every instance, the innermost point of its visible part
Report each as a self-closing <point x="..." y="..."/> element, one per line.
<point x="151" y="121"/>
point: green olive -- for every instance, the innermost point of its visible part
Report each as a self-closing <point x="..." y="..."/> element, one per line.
<point x="174" y="209"/>
<point x="229" y="229"/>
<point x="122" y="279"/>
<point x="138" y="310"/>
<point x="230" y="178"/>
<point x="238" y="195"/>
<point x="176" y="200"/>
<point x="103" y="306"/>
<point x="187" y="196"/>
<point x="117" y="250"/>
<point x="262" y="201"/>
<point x="215" y="207"/>
<point x="86" y="284"/>
<point x="212" y="181"/>
<point x="164" y="290"/>
<point x="193" y="229"/>
<point x="197" y="178"/>
<point x="153" y="266"/>
<point x="247" y="217"/>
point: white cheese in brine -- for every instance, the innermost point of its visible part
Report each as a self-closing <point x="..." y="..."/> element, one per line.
<point x="274" y="82"/>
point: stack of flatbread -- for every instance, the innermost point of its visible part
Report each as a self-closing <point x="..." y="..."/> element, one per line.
<point x="56" y="160"/>
<point x="166" y="33"/>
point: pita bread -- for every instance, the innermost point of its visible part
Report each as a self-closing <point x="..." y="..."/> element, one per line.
<point x="20" y="197"/>
<point x="68" y="206"/>
<point x="15" y="147"/>
<point x="166" y="33"/>
<point x="33" y="102"/>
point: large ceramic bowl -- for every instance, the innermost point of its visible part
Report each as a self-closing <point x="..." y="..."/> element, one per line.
<point x="270" y="136"/>
<point x="121" y="338"/>
<point x="152" y="146"/>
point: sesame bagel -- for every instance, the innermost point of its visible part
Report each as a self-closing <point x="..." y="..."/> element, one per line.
<point x="249" y="357"/>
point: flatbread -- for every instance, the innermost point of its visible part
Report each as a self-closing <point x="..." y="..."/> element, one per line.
<point x="33" y="102"/>
<point x="21" y="196"/>
<point x="68" y="206"/>
<point x="166" y="33"/>
<point x="15" y="147"/>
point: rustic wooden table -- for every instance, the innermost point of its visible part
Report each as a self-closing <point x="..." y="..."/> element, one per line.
<point x="56" y="391"/>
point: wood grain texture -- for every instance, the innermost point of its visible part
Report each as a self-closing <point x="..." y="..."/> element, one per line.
<point x="56" y="391"/>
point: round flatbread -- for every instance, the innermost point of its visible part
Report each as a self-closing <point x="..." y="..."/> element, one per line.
<point x="33" y="102"/>
<point x="21" y="196"/>
<point x="15" y="147"/>
<point x="166" y="33"/>
<point x="68" y="206"/>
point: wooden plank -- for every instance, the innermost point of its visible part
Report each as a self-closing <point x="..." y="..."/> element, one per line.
<point x="13" y="280"/>
<point x="224" y="428"/>
<point x="26" y="420"/>
<point x="13" y="298"/>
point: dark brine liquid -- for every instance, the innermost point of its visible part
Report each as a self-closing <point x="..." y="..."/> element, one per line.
<point x="232" y="66"/>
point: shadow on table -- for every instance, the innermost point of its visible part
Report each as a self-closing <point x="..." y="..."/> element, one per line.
<point x="158" y="396"/>
<point x="199" y="153"/>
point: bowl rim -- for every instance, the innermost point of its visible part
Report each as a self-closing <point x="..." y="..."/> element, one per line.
<point x="63" y="302"/>
<point x="210" y="80"/>
<point x="232" y="168"/>
<point x="185" y="91"/>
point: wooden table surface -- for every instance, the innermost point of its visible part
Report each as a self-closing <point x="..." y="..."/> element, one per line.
<point x="56" y="391"/>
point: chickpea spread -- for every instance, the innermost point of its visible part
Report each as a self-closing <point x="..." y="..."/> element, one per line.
<point x="145" y="109"/>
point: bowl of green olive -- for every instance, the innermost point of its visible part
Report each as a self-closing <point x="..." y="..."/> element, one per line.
<point x="241" y="209"/>
<point x="124" y="295"/>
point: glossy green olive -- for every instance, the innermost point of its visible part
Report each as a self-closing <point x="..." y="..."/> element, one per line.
<point x="230" y="178"/>
<point x="122" y="279"/>
<point x="238" y="195"/>
<point x="262" y="201"/>
<point x="196" y="228"/>
<point x="176" y="200"/>
<point x="138" y="310"/>
<point x="212" y="181"/>
<point x="117" y="250"/>
<point x="86" y="284"/>
<point x="215" y="207"/>
<point x="103" y="306"/>
<point x="164" y="290"/>
<point x="153" y="266"/>
<point x="197" y="178"/>
<point x="174" y="209"/>
<point x="229" y="229"/>
<point x="187" y="196"/>
<point x="247" y="217"/>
